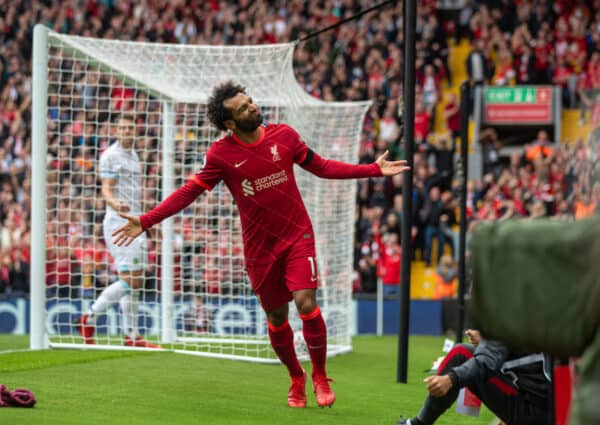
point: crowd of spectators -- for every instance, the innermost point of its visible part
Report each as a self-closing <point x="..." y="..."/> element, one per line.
<point x="512" y="42"/>
<point x="541" y="42"/>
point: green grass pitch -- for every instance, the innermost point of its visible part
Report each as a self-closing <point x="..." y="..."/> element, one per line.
<point x="130" y="388"/>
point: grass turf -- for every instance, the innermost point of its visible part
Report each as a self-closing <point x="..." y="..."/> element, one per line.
<point x="123" y="387"/>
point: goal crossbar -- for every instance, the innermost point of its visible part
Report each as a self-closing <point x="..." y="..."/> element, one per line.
<point x="196" y="296"/>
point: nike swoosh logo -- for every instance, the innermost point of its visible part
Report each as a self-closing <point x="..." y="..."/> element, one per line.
<point x="239" y="164"/>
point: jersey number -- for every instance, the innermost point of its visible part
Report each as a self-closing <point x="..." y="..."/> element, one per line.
<point x="313" y="269"/>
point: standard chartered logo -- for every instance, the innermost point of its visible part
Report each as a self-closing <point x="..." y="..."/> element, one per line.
<point x="264" y="183"/>
<point x="247" y="187"/>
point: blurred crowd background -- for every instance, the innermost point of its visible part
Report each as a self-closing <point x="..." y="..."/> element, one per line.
<point x="509" y="42"/>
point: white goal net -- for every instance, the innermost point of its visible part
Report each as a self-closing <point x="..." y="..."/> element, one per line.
<point x="196" y="297"/>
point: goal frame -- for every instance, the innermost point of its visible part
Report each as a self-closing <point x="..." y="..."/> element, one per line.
<point x="39" y="338"/>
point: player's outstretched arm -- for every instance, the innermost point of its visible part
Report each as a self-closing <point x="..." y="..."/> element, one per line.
<point x="390" y="168"/>
<point x="174" y="203"/>
<point x="331" y="169"/>
<point x="125" y="234"/>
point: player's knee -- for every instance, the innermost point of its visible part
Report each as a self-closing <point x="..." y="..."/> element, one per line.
<point x="459" y="354"/>
<point x="305" y="304"/>
<point x="277" y="317"/>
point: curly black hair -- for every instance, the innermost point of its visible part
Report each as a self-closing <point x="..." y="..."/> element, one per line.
<point x="217" y="112"/>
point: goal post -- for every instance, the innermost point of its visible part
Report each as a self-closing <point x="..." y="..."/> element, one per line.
<point x="38" y="188"/>
<point x="196" y="297"/>
<point x="167" y="263"/>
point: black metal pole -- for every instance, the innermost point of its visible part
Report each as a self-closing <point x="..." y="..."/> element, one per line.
<point x="343" y="21"/>
<point x="464" y="162"/>
<point x="410" y="22"/>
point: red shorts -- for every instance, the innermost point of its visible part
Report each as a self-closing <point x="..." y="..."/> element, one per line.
<point x="274" y="283"/>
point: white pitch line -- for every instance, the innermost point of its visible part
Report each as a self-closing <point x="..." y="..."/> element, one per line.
<point x="21" y="350"/>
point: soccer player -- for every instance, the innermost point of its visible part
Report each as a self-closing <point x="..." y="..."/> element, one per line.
<point x="256" y="162"/>
<point x="121" y="175"/>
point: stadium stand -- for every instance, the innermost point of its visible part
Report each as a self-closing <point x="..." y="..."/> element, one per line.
<point x="519" y="41"/>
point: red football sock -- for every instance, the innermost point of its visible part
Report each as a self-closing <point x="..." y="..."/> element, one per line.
<point x="282" y="341"/>
<point x="315" y="335"/>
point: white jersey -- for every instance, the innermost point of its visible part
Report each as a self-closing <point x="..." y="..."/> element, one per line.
<point x="123" y="165"/>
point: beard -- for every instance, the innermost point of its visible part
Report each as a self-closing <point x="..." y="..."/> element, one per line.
<point x="249" y="124"/>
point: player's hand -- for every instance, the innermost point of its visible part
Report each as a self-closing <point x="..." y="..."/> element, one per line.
<point x="125" y="234"/>
<point x="474" y="336"/>
<point x="120" y="206"/>
<point x="439" y="385"/>
<point x="389" y="168"/>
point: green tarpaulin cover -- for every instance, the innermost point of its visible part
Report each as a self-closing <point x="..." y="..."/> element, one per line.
<point x="536" y="285"/>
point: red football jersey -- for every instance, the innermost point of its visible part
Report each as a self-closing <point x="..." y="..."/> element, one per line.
<point x="260" y="177"/>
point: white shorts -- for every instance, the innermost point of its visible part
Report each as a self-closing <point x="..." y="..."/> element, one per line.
<point x="127" y="258"/>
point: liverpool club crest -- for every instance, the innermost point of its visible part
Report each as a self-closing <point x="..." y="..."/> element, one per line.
<point x="275" y="154"/>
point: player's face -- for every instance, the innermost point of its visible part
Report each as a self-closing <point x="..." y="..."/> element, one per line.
<point x="126" y="132"/>
<point x="246" y="114"/>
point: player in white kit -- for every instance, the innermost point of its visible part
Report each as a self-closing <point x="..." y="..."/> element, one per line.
<point x="121" y="176"/>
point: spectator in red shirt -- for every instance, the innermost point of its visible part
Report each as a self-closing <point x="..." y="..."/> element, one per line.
<point x="389" y="263"/>
<point x="5" y="274"/>
<point x="421" y="123"/>
<point x="391" y="257"/>
<point x="122" y="97"/>
<point x="541" y="65"/>
<point x="58" y="273"/>
<point x="452" y="116"/>
<point x="518" y="203"/>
